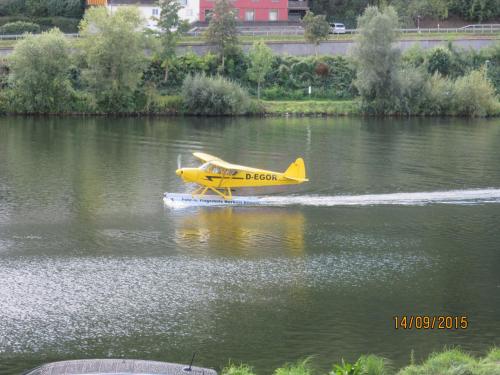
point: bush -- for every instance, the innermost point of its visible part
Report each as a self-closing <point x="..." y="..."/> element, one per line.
<point x="299" y="368"/>
<point x="65" y="24"/>
<point x="19" y="27"/>
<point x="450" y="362"/>
<point x="213" y="96"/>
<point x="40" y="73"/>
<point x="374" y="365"/>
<point x="237" y="370"/>
<point x="412" y="90"/>
<point x="439" y="93"/>
<point x="439" y="60"/>
<point x="474" y="95"/>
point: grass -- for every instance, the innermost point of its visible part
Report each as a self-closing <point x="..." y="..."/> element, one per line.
<point x="447" y="362"/>
<point x="456" y="362"/>
<point x="298" y="368"/>
<point x="311" y="107"/>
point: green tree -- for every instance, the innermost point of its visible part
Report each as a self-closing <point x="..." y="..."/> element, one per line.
<point x="113" y="53"/>
<point x="377" y="59"/>
<point x="40" y="73"/>
<point x="261" y="60"/>
<point x="222" y="29"/>
<point x="316" y="29"/>
<point x="439" y="60"/>
<point x="171" y="29"/>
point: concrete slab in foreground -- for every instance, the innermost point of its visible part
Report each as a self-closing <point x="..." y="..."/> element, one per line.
<point x="117" y="366"/>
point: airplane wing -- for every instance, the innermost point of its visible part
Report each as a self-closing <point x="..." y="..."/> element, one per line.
<point x="205" y="157"/>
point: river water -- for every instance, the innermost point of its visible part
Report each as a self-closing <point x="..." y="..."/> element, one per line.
<point x="401" y="217"/>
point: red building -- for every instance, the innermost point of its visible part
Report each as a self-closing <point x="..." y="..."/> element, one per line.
<point x="260" y="10"/>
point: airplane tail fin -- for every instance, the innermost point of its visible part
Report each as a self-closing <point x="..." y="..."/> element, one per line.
<point x="296" y="171"/>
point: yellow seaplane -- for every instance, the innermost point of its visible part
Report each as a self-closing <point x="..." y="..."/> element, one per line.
<point x="217" y="179"/>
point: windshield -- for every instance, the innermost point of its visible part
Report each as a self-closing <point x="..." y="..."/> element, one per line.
<point x="205" y="167"/>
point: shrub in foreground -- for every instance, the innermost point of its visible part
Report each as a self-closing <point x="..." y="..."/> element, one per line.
<point x="204" y="95"/>
<point x="237" y="370"/>
<point x="452" y="362"/>
<point x="298" y="368"/>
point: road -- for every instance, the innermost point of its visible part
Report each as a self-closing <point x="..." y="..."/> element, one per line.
<point x="340" y="47"/>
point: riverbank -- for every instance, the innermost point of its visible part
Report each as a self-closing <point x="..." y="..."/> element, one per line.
<point x="452" y="362"/>
<point x="173" y="106"/>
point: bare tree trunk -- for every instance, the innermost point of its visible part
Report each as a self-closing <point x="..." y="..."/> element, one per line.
<point x="258" y="90"/>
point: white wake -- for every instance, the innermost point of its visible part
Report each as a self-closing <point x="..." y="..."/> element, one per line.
<point x="459" y="197"/>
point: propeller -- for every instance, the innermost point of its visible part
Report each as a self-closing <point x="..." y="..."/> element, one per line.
<point x="179" y="161"/>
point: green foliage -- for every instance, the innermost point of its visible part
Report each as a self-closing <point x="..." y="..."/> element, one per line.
<point x="40" y="74"/>
<point x="42" y="8"/>
<point x="19" y="27"/>
<point x="150" y="102"/>
<point x="171" y="29"/>
<point x="261" y="59"/>
<point x="311" y="107"/>
<point x="474" y="95"/>
<point x="222" y="30"/>
<point x="410" y="10"/>
<point x="180" y="67"/>
<point x="347" y="368"/>
<point x="241" y="369"/>
<point x="65" y="24"/>
<point x="450" y="362"/>
<point x="213" y="96"/>
<point x="438" y="95"/>
<point x="112" y="51"/>
<point x="377" y="59"/>
<point x="330" y="77"/>
<point x="439" y="60"/>
<point x="345" y="11"/>
<point x="316" y="28"/>
<point x="373" y="365"/>
<point x="299" y="368"/>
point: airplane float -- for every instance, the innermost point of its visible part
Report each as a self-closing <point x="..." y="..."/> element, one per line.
<point x="219" y="179"/>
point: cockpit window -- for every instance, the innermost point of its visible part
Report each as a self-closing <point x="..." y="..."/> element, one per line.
<point x="205" y="167"/>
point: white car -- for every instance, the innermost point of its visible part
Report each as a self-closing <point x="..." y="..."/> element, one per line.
<point x="337" y="28"/>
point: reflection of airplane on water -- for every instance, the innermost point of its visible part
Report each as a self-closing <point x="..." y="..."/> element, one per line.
<point x="221" y="178"/>
<point x="235" y="231"/>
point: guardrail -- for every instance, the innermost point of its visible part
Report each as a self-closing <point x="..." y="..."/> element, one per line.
<point x="20" y="36"/>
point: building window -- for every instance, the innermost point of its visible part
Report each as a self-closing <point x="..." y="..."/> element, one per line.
<point x="255" y="1"/>
<point x="249" y="15"/>
<point x="208" y="14"/>
<point x="273" y="15"/>
<point x="155" y="11"/>
<point x="275" y="1"/>
<point x="183" y="3"/>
